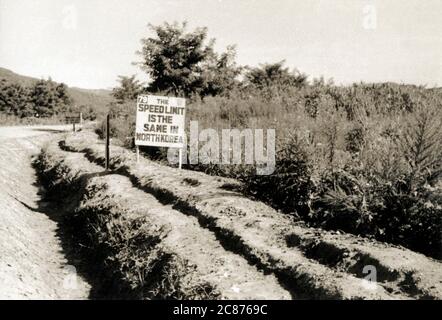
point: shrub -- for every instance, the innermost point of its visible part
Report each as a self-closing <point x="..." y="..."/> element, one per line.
<point x="290" y="186"/>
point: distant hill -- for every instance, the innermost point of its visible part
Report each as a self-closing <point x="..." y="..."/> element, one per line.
<point x="98" y="99"/>
<point x="14" y="77"/>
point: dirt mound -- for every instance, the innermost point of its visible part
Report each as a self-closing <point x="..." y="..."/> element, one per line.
<point x="149" y="250"/>
<point x="311" y="262"/>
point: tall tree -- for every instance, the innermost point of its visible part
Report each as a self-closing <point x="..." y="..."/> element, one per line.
<point x="274" y="74"/>
<point x="14" y="99"/>
<point x="183" y="63"/>
<point x="49" y="98"/>
<point x="128" y="89"/>
<point x="220" y="73"/>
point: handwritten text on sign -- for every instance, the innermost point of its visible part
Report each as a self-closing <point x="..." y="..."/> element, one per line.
<point x="160" y="121"/>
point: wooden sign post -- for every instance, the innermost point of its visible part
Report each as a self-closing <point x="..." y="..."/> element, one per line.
<point x="107" y="142"/>
<point x="138" y="154"/>
<point x="74" y="119"/>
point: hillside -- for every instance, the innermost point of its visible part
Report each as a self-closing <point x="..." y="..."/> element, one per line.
<point x="88" y="97"/>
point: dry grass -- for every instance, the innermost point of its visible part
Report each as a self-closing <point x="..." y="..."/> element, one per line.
<point x="364" y="159"/>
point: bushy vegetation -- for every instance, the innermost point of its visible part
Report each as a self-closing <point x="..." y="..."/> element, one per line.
<point x="124" y="247"/>
<point x="133" y="264"/>
<point x="25" y="100"/>
<point x="364" y="159"/>
<point x="43" y="99"/>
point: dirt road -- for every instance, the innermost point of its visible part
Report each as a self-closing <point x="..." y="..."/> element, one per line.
<point x="33" y="264"/>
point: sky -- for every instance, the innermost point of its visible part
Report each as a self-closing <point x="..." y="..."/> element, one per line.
<point x="88" y="43"/>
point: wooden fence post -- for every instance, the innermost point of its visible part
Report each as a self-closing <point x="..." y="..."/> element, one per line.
<point x="138" y="154"/>
<point x="107" y="142"/>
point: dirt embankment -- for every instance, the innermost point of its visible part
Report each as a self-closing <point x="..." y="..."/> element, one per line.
<point x="260" y="245"/>
<point x="32" y="260"/>
<point x="147" y="249"/>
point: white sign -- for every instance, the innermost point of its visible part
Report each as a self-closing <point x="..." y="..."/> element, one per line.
<point x="160" y="121"/>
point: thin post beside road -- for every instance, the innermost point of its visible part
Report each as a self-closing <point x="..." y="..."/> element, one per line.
<point x="138" y="154"/>
<point x="107" y="142"/>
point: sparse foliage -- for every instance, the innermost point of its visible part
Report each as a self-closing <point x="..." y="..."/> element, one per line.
<point x="421" y="145"/>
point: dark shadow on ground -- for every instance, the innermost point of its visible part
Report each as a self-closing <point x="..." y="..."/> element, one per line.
<point x="49" y="130"/>
<point x="57" y="209"/>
